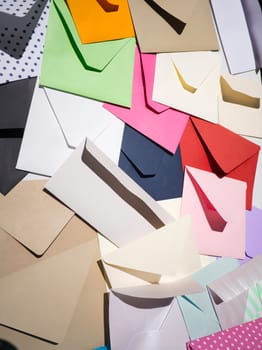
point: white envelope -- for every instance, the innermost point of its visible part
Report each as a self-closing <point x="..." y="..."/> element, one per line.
<point x="58" y="122"/>
<point x="188" y="81"/>
<point x="240" y="105"/>
<point x="234" y="35"/>
<point x="103" y="195"/>
<point x="167" y="257"/>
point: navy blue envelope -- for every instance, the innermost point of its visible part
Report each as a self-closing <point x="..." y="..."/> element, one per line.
<point x="15" y="101"/>
<point x="156" y="170"/>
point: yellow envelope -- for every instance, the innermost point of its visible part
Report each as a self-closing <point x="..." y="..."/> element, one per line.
<point x="55" y="297"/>
<point x="191" y="88"/>
<point x="173" y="25"/>
<point x="240" y="107"/>
<point x="167" y="256"/>
<point x="32" y="216"/>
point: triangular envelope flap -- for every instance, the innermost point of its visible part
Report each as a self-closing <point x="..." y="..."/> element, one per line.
<point x="152" y="253"/>
<point x="145" y="155"/>
<point x="226" y="148"/>
<point x="93" y="56"/>
<point x="77" y="116"/>
<point x="193" y="68"/>
<point x="237" y="281"/>
<point x="41" y="299"/>
<point x="15" y="100"/>
<point x="241" y="91"/>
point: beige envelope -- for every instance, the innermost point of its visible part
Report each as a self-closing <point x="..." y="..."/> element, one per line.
<point x="58" y="297"/>
<point x="189" y="87"/>
<point x="104" y="196"/>
<point x="173" y="25"/>
<point x="240" y="105"/>
<point x="166" y="256"/>
<point x="32" y="216"/>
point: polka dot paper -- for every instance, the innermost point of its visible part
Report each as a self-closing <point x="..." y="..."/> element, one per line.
<point x="16" y="31"/>
<point x="246" y="336"/>
<point x="16" y="7"/>
<point x="28" y="65"/>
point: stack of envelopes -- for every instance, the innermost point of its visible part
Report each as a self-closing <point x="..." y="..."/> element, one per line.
<point x="130" y="174"/>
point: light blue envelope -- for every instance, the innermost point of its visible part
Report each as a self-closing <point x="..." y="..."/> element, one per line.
<point x="197" y="310"/>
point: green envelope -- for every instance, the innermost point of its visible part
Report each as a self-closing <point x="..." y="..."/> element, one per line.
<point x="102" y="71"/>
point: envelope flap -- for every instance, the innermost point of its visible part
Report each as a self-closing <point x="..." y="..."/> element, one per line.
<point x="237" y="281"/>
<point x="192" y="76"/>
<point x="227" y="149"/>
<point x="239" y="95"/>
<point x="145" y="155"/>
<point x="93" y="56"/>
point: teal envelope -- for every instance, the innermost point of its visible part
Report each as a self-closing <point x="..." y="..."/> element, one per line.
<point x="102" y="71"/>
<point x="197" y="310"/>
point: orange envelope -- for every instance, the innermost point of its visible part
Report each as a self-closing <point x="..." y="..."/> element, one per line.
<point x="211" y="147"/>
<point x="101" y="20"/>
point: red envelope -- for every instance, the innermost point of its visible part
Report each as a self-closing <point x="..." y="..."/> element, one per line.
<point x="214" y="148"/>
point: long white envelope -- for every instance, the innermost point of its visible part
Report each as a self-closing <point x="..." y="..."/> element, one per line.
<point x="102" y="194"/>
<point x="234" y="35"/>
<point x="58" y="122"/>
<point x="191" y="88"/>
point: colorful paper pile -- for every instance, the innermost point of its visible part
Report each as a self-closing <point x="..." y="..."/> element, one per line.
<point x="130" y="174"/>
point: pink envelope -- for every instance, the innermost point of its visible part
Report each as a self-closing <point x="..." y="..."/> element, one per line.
<point x="242" y="337"/>
<point x="217" y="209"/>
<point x="163" y="126"/>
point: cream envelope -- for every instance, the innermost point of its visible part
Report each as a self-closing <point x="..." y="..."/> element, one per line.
<point x="40" y="297"/>
<point x="103" y="195"/>
<point x="186" y="86"/>
<point x="32" y="216"/>
<point x="240" y="107"/>
<point x="229" y="293"/>
<point x="217" y="209"/>
<point x="58" y="122"/>
<point x="166" y="256"/>
<point x="173" y="25"/>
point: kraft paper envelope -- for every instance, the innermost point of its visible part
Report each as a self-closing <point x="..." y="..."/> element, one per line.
<point x="15" y="99"/>
<point x="231" y="25"/>
<point x="156" y="170"/>
<point x="16" y="31"/>
<point x="164" y="128"/>
<point x="197" y="309"/>
<point x="229" y="293"/>
<point x="64" y="120"/>
<point x="32" y="216"/>
<point x="217" y="209"/>
<point x="104" y="196"/>
<point x="244" y="336"/>
<point x="102" y="71"/>
<point x="191" y="88"/>
<point x="165" y="256"/>
<point x="167" y="26"/>
<point x="240" y="107"/>
<point x="214" y="148"/>
<point x="145" y="324"/>
<point x="101" y="20"/>
<point x="63" y="292"/>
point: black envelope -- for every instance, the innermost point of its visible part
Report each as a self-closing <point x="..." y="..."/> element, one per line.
<point x="15" y="100"/>
<point x="15" y="31"/>
<point x="156" y="170"/>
